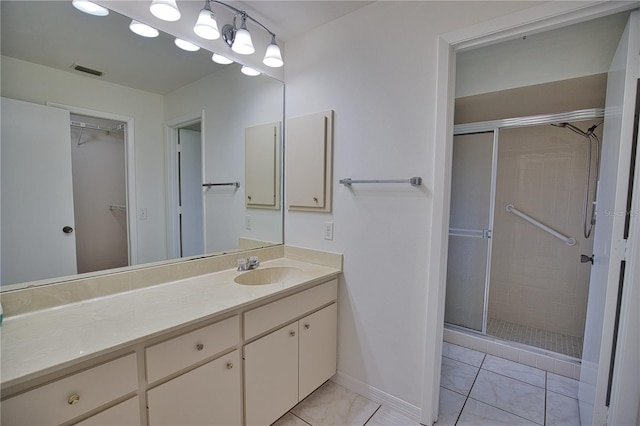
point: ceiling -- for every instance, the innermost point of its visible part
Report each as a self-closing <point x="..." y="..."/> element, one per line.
<point x="55" y="34"/>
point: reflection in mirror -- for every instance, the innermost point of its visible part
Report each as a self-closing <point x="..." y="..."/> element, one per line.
<point x="141" y="139"/>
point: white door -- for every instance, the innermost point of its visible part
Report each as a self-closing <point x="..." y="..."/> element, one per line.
<point x="608" y="247"/>
<point x="191" y="217"/>
<point x="37" y="193"/>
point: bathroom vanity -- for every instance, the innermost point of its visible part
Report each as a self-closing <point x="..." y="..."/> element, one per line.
<point x="201" y="350"/>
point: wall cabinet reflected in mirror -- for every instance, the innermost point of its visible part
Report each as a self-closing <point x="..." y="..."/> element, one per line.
<point x="149" y="83"/>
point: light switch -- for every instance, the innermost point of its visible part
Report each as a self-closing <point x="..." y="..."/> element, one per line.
<point x="248" y="222"/>
<point x="328" y="230"/>
<point x="142" y="214"/>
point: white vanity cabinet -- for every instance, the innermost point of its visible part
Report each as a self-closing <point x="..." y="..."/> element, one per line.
<point x="286" y="365"/>
<point x="69" y="397"/>
<point x="209" y="394"/>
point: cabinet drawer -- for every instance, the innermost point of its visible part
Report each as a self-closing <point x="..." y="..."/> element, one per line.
<point x="53" y="403"/>
<point x="272" y="315"/>
<point x="182" y="351"/>
<point x="126" y="413"/>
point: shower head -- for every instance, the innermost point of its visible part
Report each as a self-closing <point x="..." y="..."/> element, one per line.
<point x="573" y="128"/>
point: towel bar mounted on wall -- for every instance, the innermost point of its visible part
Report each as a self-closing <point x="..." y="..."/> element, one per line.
<point x="414" y="181"/>
<point x="209" y="185"/>
<point x="567" y="240"/>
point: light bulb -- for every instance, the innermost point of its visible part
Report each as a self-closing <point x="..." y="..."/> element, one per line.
<point x="186" y="45"/>
<point x="167" y="10"/>
<point x="242" y="43"/>
<point x="249" y="71"/>
<point x="90" y="7"/>
<point x="273" y="57"/>
<point x="143" y="30"/>
<point x="206" y="25"/>
<point x="222" y="60"/>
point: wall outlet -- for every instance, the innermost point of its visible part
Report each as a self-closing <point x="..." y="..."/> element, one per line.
<point x="328" y="231"/>
<point x="248" y="221"/>
<point x="142" y="214"/>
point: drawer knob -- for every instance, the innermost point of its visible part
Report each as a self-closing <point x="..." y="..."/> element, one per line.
<point x="74" y="399"/>
<point x="229" y="365"/>
<point x="307" y="326"/>
<point x="199" y="347"/>
<point x="292" y="333"/>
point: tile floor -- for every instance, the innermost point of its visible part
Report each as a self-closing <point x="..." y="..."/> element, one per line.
<point x="476" y="389"/>
<point x="544" y="339"/>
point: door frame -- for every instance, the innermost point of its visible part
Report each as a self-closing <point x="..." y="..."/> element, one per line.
<point x="130" y="169"/>
<point x="540" y="18"/>
<point x="171" y="167"/>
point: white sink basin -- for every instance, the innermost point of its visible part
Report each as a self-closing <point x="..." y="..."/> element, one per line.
<point x="262" y="276"/>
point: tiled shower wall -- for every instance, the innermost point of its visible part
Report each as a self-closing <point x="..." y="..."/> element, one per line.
<point x="536" y="279"/>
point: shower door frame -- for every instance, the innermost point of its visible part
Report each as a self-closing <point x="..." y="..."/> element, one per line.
<point x="488" y="233"/>
<point x="495" y="126"/>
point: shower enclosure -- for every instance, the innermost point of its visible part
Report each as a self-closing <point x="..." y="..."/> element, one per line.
<point x="522" y="201"/>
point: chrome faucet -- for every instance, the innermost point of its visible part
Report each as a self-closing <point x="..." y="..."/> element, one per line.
<point x="250" y="263"/>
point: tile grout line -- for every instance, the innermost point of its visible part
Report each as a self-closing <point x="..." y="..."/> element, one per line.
<point x="294" y="415"/>
<point x="470" y="388"/>
<point x="546" y="383"/>
<point x="503" y="410"/>
<point x="371" y="416"/>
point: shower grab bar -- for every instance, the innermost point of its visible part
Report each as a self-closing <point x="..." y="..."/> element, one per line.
<point x="414" y="181"/>
<point x="567" y="240"/>
<point x="209" y="185"/>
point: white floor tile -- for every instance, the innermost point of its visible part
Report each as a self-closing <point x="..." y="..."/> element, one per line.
<point x="515" y="370"/>
<point x="563" y="385"/>
<point x="509" y="394"/>
<point x="387" y="417"/>
<point x="332" y="405"/>
<point x="457" y="376"/>
<point x="476" y="413"/>
<point x="449" y="408"/>
<point x="562" y="410"/>
<point x="290" y="420"/>
<point x="459" y="353"/>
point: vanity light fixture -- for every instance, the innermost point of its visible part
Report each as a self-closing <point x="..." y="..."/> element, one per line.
<point x="222" y="60"/>
<point x="238" y="38"/>
<point x="206" y="25"/>
<point x="167" y="10"/>
<point x="90" y="7"/>
<point x="143" y="30"/>
<point x="249" y="71"/>
<point x="186" y="45"/>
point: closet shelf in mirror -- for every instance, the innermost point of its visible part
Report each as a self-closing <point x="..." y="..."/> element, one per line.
<point x="117" y="208"/>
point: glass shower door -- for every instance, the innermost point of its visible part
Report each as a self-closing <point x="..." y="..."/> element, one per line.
<point x="470" y="224"/>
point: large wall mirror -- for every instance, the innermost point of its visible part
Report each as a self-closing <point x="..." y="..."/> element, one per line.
<point x="142" y="164"/>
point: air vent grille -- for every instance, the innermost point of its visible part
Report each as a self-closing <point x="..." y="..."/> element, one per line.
<point x="87" y="70"/>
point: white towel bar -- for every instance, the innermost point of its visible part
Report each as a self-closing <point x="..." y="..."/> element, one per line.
<point x="567" y="240"/>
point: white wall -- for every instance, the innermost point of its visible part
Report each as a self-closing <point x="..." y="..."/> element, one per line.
<point x="231" y="102"/>
<point x="376" y="67"/>
<point x="575" y="51"/>
<point x="38" y="84"/>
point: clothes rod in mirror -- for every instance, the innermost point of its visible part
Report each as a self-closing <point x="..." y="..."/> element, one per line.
<point x="414" y="181"/>
<point x="209" y="185"/>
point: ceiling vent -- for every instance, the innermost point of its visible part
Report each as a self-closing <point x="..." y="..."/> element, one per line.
<point x="87" y="70"/>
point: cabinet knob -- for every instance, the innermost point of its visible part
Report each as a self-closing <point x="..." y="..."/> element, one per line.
<point x="74" y="399"/>
<point x="229" y="365"/>
<point x="249" y="197"/>
<point x="307" y="326"/>
<point x="315" y="199"/>
<point x="292" y="333"/>
<point x="199" y="347"/>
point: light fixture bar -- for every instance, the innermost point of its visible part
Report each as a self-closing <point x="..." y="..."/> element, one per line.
<point x="245" y="14"/>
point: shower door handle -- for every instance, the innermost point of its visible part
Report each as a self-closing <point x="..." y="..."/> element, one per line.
<point x="67" y="229"/>
<point x="586" y="259"/>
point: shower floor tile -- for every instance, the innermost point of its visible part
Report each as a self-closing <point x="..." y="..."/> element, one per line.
<point x="544" y="339"/>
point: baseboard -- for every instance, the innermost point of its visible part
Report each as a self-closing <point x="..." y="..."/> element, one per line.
<point x="377" y="395"/>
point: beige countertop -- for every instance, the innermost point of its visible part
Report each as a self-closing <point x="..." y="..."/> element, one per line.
<point x="41" y="342"/>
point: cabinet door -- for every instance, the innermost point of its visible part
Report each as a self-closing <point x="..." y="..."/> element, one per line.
<point x="262" y="176"/>
<point x="126" y="413"/>
<point x="309" y="162"/>
<point x="317" y="349"/>
<point x="271" y="375"/>
<point x="209" y="395"/>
